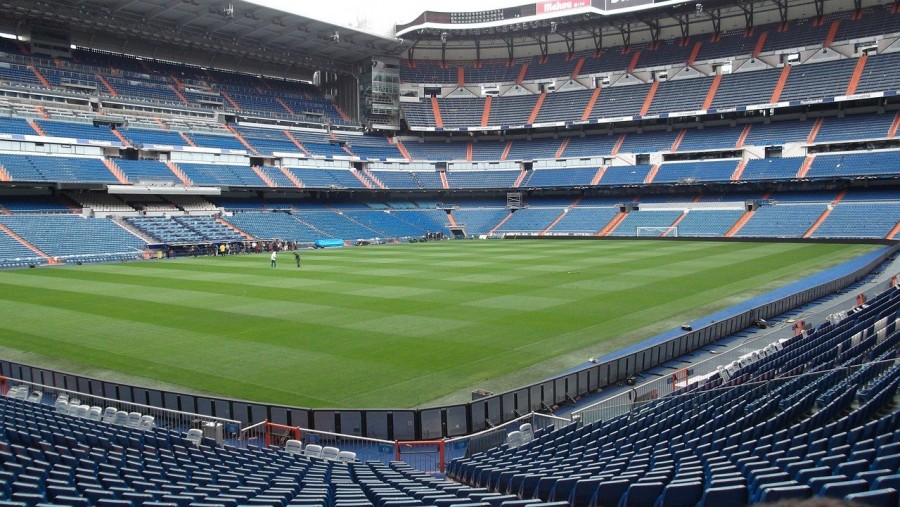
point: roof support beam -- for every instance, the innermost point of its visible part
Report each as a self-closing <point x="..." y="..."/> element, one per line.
<point x="783" y="9"/>
<point x="684" y="23"/>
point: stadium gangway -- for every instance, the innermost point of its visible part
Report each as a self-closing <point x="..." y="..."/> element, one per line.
<point x="495" y="436"/>
<point x="218" y="428"/>
<point x="266" y="434"/>
<point x="424" y="455"/>
<point x="640" y="395"/>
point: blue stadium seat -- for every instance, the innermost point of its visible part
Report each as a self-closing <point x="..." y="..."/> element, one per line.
<point x="887" y="497"/>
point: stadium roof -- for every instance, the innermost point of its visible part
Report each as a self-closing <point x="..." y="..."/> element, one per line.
<point x="240" y="31"/>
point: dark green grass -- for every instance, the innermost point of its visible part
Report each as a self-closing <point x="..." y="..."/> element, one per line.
<point x="390" y="326"/>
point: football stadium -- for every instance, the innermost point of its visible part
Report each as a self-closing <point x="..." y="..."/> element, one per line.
<point x="586" y="253"/>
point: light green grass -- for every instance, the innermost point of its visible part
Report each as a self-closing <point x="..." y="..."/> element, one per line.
<point x="390" y="326"/>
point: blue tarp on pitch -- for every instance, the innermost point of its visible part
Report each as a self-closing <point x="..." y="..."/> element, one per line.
<point x="329" y="243"/>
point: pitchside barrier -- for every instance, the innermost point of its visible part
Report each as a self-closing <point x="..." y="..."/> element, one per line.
<point x="476" y="416"/>
<point x="724" y="362"/>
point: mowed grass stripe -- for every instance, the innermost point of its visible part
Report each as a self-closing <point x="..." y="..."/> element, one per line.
<point x="390" y="326"/>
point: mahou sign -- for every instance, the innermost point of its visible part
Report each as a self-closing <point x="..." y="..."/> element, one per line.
<point x="561" y="5"/>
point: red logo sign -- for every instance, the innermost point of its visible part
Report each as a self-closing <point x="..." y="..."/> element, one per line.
<point x="561" y="5"/>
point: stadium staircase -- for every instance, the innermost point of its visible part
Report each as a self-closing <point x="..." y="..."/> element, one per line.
<point x="695" y="51"/>
<point x="760" y="44"/>
<point x="374" y="179"/>
<point x="289" y="175"/>
<point x="743" y="137"/>
<point x="401" y="148"/>
<point x="235" y="229"/>
<point x="812" y="229"/>
<point x="586" y="114"/>
<point x="804" y="168"/>
<point x="562" y="148"/>
<point x="106" y="84"/>
<point x="230" y="100"/>
<point x="832" y="33"/>
<point x="40" y="77"/>
<point x="285" y="106"/>
<point x="37" y="128"/>
<point x="263" y="176"/>
<point x="711" y="94"/>
<point x="341" y="113"/>
<point x="739" y="170"/>
<point x="894" y="232"/>
<point x="180" y="95"/>
<point x="241" y="138"/>
<point x="562" y="215"/>
<point x="500" y="224"/>
<point x="611" y="226"/>
<point x="577" y="70"/>
<point x="892" y="132"/>
<point x="486" y="113"/>
<point x="654" y="170"/>
<point x="362" y="179"/>
<point x="618" y="145"/>
<point x="522" y="72"/>
<point x="179" y="173"/>
<point x="190" y="142"/>
<point x="297" y="143"/>
<point x="857" y="73"/>
<point x="650" y="94"/>
<point x="114" y="169"/>
<point x="43" y="112"/>
<point x="779" y="86"/>
<point x="537" y="108"/>
<point x="817" y="125"/>
<point x="436" y="109"/>
<point x="520" y="178"/>
<point x="632" y="65"/>
<point x="26" y="244"/>
<point x="506" y="149"/>
<point x="740" y="223"/>
<point x="677" y="142"/>
<point x="125" y="142"/>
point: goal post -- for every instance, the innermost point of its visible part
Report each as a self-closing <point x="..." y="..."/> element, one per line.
<point x="657" y="232"/>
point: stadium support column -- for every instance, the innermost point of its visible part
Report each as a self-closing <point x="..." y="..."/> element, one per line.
<point x="344" y="90"/>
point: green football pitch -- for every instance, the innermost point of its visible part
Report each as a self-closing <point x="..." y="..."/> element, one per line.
<point x="391" y="326"/>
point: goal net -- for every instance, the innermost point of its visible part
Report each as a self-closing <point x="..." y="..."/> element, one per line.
<point x="657" y="232"/>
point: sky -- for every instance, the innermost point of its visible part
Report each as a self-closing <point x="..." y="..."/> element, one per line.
<point x="379" y="16"/>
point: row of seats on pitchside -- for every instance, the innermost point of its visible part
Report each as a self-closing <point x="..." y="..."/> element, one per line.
<point x="817" y="417"/>
<point x="101" y="464"/>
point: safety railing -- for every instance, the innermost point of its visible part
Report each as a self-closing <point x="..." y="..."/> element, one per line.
<point x="640" y="394"/>
<point x="492" y="437"/>
<point x="71" y="403"/>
